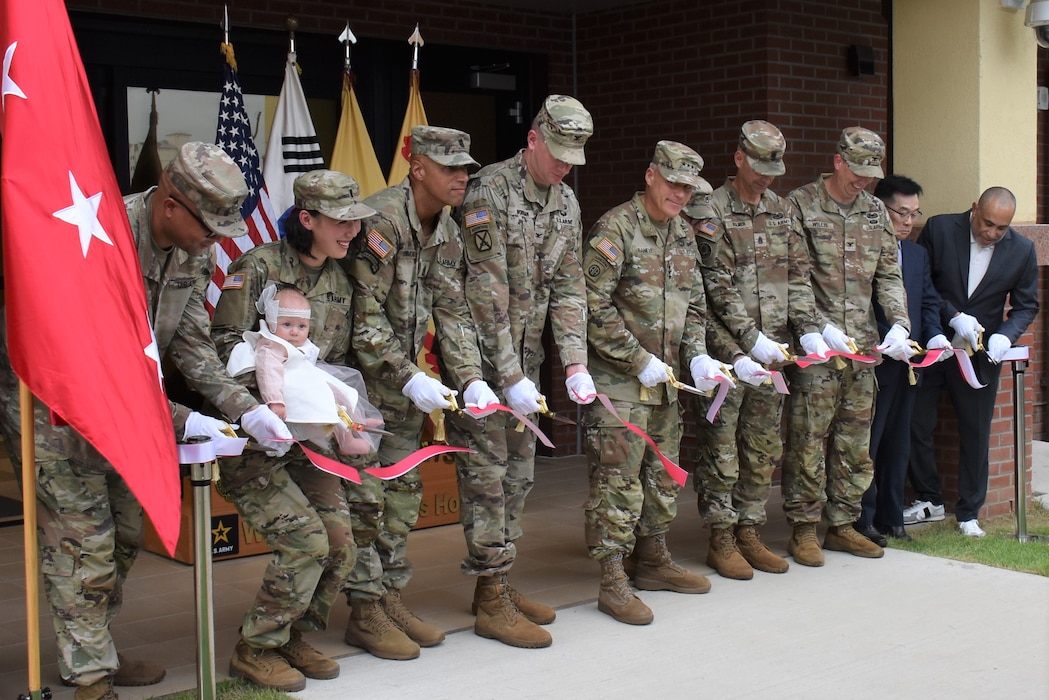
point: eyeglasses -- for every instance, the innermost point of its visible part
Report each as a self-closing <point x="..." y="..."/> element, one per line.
<point x="195" y="215"/>
<point x="906" y="215"/>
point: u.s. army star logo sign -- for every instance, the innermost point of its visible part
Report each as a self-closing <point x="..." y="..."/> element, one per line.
<point x="482" y="240"/>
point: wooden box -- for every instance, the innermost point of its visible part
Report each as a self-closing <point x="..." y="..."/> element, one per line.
<point x="230" y="537"/>
<point x="440" y="504"/>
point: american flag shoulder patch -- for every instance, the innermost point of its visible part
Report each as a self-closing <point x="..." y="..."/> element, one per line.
<point x="708" y="228"/>
<point x="609" y="249"/>
<point x="378" y="243"/>
<point x="233" y="282"/>
<point x="476" y="218"/>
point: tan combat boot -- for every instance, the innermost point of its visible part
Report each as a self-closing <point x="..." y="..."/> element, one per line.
<point x="422" y="633"/>
<point x="656" y="571"/>
<point x="756" y="553"/>
<point x="536" y="612"/>
<point x="845" y="538"/>
<point x="498" y="617"/>
<point x="630" y="564"/>
<point x="300" y="654"/>
<point x="265" y="668"/>
<point x="804" y="546"/>
<point x="135" y="672"/>
<point x="99" y="690"/>
<point x="615" y="597"/>
<point x="371" y="629"/>
<point x="724" y="557"/>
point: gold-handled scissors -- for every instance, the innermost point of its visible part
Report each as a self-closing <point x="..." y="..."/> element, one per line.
<point x="359" y="427"/>
<point x="544" y="410"/>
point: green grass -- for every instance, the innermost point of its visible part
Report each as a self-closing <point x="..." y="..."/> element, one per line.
<point x="999" y="548"/>
<point x="234" y="689"/>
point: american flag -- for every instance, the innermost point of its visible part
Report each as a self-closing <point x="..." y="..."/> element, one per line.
<point x="234" y="136"/>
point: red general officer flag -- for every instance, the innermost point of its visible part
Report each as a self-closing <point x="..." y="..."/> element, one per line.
<point x="78" y="330"/>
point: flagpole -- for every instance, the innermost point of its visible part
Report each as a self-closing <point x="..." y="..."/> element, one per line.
<point x="32" y="565"/>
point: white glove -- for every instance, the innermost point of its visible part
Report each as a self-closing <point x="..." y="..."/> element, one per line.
<point x="766" y="350"/>
<point x="262" y="424"/>
<point x="968" y="328"/>
<point x="897" y="344"/>
<point x="427" y="393"/>
<point x="523" y="397"/>
<point x="814" y="346"/>
<point x="479" y="394"/>
<point x="581" y="388"/>
<point x="199" y="424"/>
<point x="836" y="338"/>
<point x="997" y="346"/>
<point x="938" y="342"/>
<point x="750" y="371"/>
<point x="655" y="372"/>
<point x="705" y="372"/>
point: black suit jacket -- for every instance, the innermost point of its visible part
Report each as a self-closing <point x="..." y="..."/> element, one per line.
<point x="923" y="301"/>
<point x="1012" y="274"/>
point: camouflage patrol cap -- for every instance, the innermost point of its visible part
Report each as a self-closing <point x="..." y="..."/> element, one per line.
<point x="565" y="125"/>
<point x="331" y="193"/>
<point x="678" y="163"/>
<point x="699" y="207"/>
<point x="445" y="146"/>
<point x="208" y="177"/>
<point x="863" y="150"/>
<point x="763" y="144"/>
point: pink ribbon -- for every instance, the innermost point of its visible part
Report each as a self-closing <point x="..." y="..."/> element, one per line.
<point x="965" y="364"/>
<point x="724" y="384"/>
<point x="779" y="381"/>
<point x="492" y="408"/>
<point x="332" y="466"/>
<point x="413" y="460"/>
<point x="817" y="359"/>
<point x="676" y="473"/>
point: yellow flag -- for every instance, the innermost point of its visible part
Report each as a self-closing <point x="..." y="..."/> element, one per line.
<point x="353" y="154"/>
<point x="413" y="116"/>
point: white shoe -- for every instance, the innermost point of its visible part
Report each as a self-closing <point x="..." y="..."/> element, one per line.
<point x="971" y="528"/>
<point x="922" y="512"/>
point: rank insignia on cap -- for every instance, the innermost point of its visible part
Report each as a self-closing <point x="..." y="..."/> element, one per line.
<point x="378" y="243"/>
<point x="609" y="249"/>
<point x="233" y="282"/>
<point x="708" y="228"/>
<point x="475" y="218"/>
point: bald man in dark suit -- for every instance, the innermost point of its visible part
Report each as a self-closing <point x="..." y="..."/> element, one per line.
<point x="978" y="263"/>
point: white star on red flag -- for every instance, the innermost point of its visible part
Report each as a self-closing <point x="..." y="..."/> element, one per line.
<point x="83" y="213"/>
<point x="8" y="86"/>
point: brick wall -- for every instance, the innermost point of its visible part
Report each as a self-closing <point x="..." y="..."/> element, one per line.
<point x="693" y="72"/>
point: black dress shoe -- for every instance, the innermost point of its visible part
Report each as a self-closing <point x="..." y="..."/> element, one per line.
<point x="896" y="532"/>
<point x="872" y="534"/>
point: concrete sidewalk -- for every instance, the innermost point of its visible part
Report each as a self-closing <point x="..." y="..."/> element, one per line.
<point x="905" y="626"/>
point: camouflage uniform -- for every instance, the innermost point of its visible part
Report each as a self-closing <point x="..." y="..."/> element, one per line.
<point x="756" y="280"/>
<point x="90" y="524"/>
<point x="522" y="251"/>
<point x="300" y="510"/>
<point x="645" y="298"/>
<point x="853" y="254"/>
<point x="404" y="276"/>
